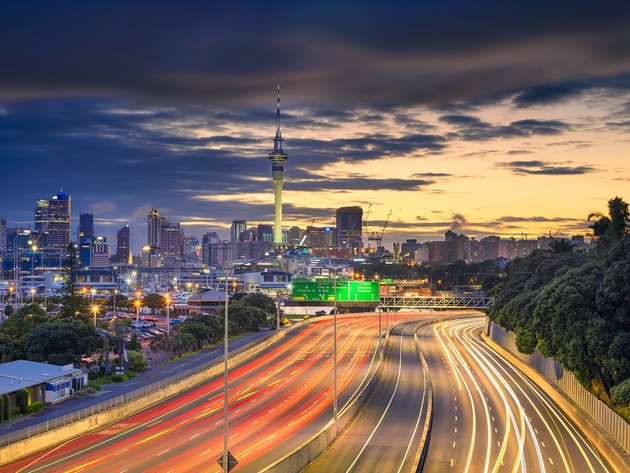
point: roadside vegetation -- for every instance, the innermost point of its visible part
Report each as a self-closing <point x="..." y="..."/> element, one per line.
<point x="575" y="308"/>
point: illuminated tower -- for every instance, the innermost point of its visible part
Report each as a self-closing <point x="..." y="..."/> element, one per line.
<point x="278" y="157"/>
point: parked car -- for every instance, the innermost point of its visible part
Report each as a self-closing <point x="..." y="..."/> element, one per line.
<point x="149" y="318"/>
<point x="175" y="321"/>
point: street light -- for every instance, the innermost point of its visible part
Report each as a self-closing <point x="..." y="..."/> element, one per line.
<point x="225" y="379"/>
<point x="137" y="312"/>
<point x="95" y="310"/>
<point x="93" y="292"/>
<point x="32" y="295"/>
<point x="115" y="292"/>
<point x="335" y="348"/>
<point x="167" y="299"/>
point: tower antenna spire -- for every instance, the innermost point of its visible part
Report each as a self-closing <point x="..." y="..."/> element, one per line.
<point x="278" y="111"/>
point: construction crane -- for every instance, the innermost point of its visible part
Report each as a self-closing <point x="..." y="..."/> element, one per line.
<point x="365" y="225"/>
<point x="378" y="237"/>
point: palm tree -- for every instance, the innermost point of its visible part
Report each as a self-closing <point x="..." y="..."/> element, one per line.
<point x="609" y="229"/>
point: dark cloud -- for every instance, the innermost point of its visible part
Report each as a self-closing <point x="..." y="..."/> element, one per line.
<point x="473" y="129"/>
<point x="542" y="168"/>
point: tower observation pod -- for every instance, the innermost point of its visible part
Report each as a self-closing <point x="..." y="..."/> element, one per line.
<point x="277" y="157"/>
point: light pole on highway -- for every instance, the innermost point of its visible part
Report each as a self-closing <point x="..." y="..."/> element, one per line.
<point x="225" y="379"/>
<point x="335" y="348"/>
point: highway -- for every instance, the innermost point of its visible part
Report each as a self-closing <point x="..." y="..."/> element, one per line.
<point x="488" y="417"/>
<point x="385" y="434"/>
<point x="277" y="401"/>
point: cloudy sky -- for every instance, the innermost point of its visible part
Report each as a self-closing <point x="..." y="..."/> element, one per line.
<point x="482" y="117"/>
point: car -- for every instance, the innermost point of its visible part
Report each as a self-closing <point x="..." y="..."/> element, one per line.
<point x="175" y="321"/>
<point x="142" y="324"/>
<point x="320" y="312"/>
<point x="149" y="318"/>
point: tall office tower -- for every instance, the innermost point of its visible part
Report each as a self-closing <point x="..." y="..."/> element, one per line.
<point x="238" y="227"/>
<point x="3" y="238"/>
<point x="41" y="221"/>
<point x="155" y="222"/>
<point x="123" y="249"/>
<point x="349" y="229"/>
<point x="85" y="238"/>
<point x="278" y="157"/>
<point x="52" y="222"/>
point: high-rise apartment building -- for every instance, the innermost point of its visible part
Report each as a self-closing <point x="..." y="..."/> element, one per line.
<point x="85" y="238"/>
<point x="123" y="247"/>
<point x="349" y="229"/>
<point x="170" y="241"/>
<point x="238" y="227"/>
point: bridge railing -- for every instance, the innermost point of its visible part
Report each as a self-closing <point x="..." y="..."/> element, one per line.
<point x="430" y="302"/>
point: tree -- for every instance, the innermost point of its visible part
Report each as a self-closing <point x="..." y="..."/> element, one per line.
<point x="63" y="343"/>
<point x="611" y="228"/>
<point x="170" y="343"/>
<point x="14" y="331"/>
<point x="74" y="304"/>
<point x="155" y="302"/>
<point x="260" y="300"/>
<point x="199" y="330"/>
<point x="561" y="246"/>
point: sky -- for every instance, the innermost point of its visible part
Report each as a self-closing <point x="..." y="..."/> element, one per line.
<point x="485" y="118"/>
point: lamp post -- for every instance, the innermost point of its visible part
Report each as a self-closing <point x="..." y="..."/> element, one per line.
<point x="93" y="291"/>
<point x="32" y="295"/>
<point x="335" y="348"/>
<point x="94" y="309"/>
<point x="115" y="292"/>
<point x="167" y="299"/>
<point x="137" y="308"/>
<point x="225" y="379"/>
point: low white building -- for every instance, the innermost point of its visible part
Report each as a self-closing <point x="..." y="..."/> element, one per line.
<point x="45" y="383"/>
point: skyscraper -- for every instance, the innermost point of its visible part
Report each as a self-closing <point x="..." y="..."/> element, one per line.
<point x="123" y="250"/>
<point x="278" y="157"/>
<point x="349" y="229"/>
<point x="85" y="238"/>
<point x="155" y="222"/>
<point x="52" y="222"/>
<point x="238" y="227"/>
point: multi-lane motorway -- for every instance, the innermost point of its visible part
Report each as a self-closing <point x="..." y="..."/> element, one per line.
<point x="385" y="435"/>
<point x="276" y="401"/>
<point x="488" y="417"/>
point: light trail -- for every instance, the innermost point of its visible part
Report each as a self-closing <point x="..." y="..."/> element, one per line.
<point x="524" y="406"/>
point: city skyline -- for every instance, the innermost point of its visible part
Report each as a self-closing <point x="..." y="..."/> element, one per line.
<point x="485" y="119"/>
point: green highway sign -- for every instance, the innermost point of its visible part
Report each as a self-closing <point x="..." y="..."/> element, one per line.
<point x="325" y="289"/>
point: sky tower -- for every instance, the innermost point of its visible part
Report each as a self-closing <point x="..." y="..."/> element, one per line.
<point x="278" y="157"/>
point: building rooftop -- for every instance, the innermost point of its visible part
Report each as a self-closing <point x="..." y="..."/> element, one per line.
<point x="24" y="374"/>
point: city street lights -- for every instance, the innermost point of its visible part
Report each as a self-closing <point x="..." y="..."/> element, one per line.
<point x="137" y="312"/>
<point x="32" y="295"/>
<point x="115" y="292"/>
<point x="95" y="310"/>
<point x="93" y="292"/>
<point x="167" y="300"/>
